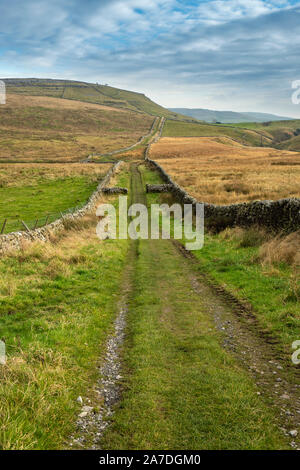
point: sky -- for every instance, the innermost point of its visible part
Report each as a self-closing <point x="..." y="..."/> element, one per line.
<point x="240" y="55"/>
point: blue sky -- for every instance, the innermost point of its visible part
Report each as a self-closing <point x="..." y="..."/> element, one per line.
<point x="220" y="54"/>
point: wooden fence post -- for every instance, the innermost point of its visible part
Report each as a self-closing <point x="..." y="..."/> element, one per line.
<point x="3" y="226"/>
<point x="26" y="226"/>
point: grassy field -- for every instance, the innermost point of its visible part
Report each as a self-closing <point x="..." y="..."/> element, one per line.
<point x="34" y="128"/>
<point x="29" y="192"/>
<point x="221" y="171"/>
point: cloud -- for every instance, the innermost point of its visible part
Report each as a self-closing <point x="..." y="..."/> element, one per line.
<point x="219" y="11"/>
<point x="222" y="53"/>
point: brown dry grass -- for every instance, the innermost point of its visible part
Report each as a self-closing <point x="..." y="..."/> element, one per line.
<point x="13" y="100"/>
<point x="134" y="154"/>
<point x="53" y="129"/>
<point x="282" y="249"/>
<point x="273" y="249"/>
<point x="221" y="171"/>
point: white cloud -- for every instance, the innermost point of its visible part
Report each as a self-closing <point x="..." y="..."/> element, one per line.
<point x="223" y="11"/>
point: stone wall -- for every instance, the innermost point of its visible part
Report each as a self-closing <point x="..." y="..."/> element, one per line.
<point x="15" y="239"/>
<point x="281" y="215"/>
<point x="115" y="190"/>
<point x="158" y="188"/>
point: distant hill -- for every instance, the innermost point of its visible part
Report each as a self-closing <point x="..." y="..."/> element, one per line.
<point x="227" y="116"/>
<point x="89" y="92"/>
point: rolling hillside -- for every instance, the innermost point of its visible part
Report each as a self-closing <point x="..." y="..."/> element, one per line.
<point x="42" y="128"/>
<point x="285" y="134"/>
<point x="91" y="93"/>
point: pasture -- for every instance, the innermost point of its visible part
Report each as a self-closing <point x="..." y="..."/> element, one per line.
<point x="34" y="191"/>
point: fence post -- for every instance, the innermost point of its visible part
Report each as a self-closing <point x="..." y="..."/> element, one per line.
<point x="3" y="226"/>
<point x="28" y="230"/>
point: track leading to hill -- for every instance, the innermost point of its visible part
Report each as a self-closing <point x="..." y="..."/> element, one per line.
<point x="155" y="130"/>
<point x="184" y="385"/>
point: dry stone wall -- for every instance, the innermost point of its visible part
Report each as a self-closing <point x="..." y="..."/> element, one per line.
<point x="115" y="190"/>
<point x="158" y="188"/>
<point x="15" y="239"/>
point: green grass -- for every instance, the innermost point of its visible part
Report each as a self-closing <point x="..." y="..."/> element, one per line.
<point x="31" y="202"/>
<point x="292" y="144"/>
<point x="270" y="290"/>
<point x="284" y="133"/>
<point x="270" y="126"/>
<point x="184" y="129"/>
<point x="57" y="306"/>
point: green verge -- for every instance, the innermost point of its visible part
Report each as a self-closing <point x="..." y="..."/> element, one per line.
<point x="57" y="306"/>
<point x="182" y="390"/>
<point x="269" y="291"/>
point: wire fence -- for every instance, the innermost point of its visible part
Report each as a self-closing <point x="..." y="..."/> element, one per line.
<point x="17" y="224"/>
